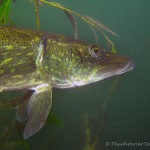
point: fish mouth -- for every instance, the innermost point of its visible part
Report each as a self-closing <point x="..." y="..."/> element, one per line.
<point x="129" y="66"/>
<point x="116" y="66"/>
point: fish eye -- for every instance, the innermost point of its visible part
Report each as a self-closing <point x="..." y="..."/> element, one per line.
<point x="94" y="51"/>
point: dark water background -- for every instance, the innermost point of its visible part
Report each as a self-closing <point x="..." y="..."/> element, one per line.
<point x="126" y="117"/>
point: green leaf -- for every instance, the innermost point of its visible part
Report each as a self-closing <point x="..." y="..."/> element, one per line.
<point x="113" y="50"/>
<point x="73" y="22"/>
<point x="99" y="24"/>
<point x="53" y="119"/>
<point x="5" y="6"/>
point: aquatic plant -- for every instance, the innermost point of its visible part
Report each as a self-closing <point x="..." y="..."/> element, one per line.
<point x="5" y="7"/>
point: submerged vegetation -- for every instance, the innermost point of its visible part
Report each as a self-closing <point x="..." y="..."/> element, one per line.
<point x="5" y="10"/>
<point x="5" y="6"/>
<point x="11" y="131"/>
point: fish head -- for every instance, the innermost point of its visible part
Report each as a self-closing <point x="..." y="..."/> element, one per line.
<point x="91" y="64"/>
<point x="71" y="63"/>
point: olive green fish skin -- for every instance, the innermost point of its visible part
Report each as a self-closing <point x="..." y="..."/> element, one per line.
<point x="67" y="62"/>
<point x="17" y="58"/>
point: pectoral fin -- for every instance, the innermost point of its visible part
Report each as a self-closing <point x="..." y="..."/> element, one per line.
<point x="38" y="108"/>
<point x="21" y="114"/>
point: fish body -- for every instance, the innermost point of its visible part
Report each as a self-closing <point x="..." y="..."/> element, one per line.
<point x="18" y="54"/>
<point x="39" y="61"/>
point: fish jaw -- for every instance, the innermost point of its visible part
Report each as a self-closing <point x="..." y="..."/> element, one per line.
<point x="112" y="64"/>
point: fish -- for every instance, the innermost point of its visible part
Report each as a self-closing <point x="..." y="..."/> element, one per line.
<point x="36" y="62"/>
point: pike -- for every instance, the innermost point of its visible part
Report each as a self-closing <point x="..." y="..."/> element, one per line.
<point x="37" y="61"/>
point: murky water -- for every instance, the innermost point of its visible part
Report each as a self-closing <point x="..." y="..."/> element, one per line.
<point x="111" y="114"/>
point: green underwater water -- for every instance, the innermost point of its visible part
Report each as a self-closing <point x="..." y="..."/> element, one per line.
<point x="112" y="111"/>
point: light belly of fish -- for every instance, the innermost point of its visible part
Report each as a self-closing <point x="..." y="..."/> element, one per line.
<point x="37" y="61"/>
